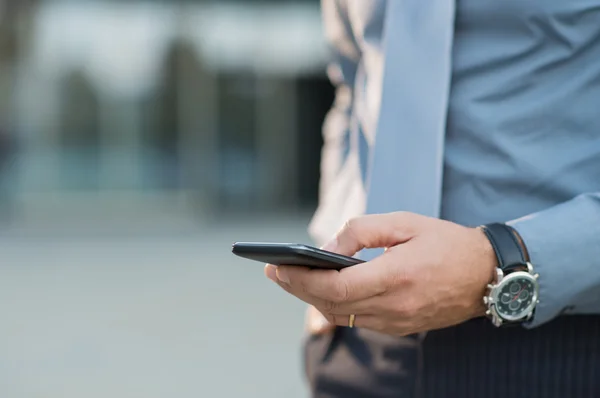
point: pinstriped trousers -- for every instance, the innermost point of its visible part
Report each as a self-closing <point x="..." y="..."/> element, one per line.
<point x="558" y="360"/>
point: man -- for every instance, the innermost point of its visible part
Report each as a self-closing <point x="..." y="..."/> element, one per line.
<point x="465" y="140"/>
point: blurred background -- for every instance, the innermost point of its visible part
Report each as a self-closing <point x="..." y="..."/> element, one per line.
<point x="138" y="140"/>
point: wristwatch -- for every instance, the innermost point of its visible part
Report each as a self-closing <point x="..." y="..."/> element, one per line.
<point x="513" y="295"/>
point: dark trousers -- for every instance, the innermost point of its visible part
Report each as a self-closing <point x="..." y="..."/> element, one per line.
<point x="558" y="360"/>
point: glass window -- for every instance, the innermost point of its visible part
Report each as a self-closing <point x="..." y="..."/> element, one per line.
<point x="219" y="101"/>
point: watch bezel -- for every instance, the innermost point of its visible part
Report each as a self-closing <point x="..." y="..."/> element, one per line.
<point x="525" y="313"/>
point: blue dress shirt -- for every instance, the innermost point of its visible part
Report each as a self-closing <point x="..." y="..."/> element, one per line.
<point x="521" y="140"/>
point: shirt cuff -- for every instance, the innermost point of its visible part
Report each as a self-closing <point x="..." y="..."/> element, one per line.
<point x="564" y="247"/>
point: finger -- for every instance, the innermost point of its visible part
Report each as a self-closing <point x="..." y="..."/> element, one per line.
<point x="370" y="322"/>
<point x="366" y="321"/>
<point x="313" y="285"/>
<point x="376" y="231"/>
<point x="308" y="299"/>
<point x="271" y="271"/>
<point x="316" y="323"/>
<point x="379" y="324"/>
<point x="371" y="305"/>
<point x="383" y="280"/>
<point x="351" y="284"/>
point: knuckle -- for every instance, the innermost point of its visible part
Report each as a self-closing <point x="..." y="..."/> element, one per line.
<point x="340" y="293"/>
<point x="406" y="310"/>
<point x="401" y="215"/>
<point x="400" y="276"/>
<point x="303" y="286"/>
<point x="407" y="223"/>
<point x="330" y="306"/>
<point x="351" y="226"/>
<point x="404" y="218"/>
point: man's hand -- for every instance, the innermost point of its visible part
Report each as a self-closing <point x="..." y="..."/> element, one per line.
<point x="432" y="275"/>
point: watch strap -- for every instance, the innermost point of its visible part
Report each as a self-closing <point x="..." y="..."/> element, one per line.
<point x="508" y="250"/>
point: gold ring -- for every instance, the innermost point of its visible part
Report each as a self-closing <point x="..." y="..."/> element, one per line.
<point x="351" y="321"/>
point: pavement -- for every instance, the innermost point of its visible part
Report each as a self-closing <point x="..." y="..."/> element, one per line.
<point x="124" y="314"/>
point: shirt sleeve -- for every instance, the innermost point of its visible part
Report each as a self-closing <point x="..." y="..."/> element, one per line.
<point x="564" y="247"/>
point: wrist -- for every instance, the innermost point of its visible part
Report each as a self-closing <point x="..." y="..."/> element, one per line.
<point x="487" y="267"/>
<point x="514" y="293"/>
<point x="489" y="259"/>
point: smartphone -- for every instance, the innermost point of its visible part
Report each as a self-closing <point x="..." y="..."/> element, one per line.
<point x="293" y="254"/>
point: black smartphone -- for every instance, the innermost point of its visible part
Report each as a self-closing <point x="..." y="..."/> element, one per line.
<point x="292" y="254"/>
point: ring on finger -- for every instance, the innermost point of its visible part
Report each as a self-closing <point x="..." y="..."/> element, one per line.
<point x="351" y="320"/>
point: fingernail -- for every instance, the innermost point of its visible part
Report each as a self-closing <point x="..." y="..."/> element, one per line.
<point x="331" y="245"/>
<point x="282" y="276"/>
<point x="271" y="272"/>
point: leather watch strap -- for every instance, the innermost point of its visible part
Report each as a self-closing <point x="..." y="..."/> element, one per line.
<point x="506" y="246"/>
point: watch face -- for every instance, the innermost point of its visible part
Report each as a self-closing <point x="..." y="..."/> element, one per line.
<point x="516" y="296"/>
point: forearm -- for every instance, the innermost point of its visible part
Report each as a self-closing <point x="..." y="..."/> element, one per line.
<point x="563" y="243"/>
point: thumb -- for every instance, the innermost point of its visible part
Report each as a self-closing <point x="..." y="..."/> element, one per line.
<point x="375" y="231"/>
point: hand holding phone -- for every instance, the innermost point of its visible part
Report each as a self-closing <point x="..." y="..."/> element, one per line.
<point x="292" y="254"/>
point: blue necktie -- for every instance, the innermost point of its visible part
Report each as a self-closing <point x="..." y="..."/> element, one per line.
<point x="406" y="163"/>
